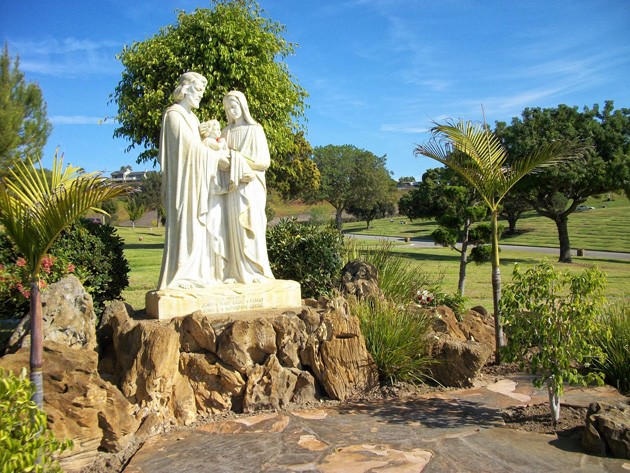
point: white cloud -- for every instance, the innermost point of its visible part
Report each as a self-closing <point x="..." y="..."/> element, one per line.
<point x="390" y="127"/>
<point x="68" y="56"/>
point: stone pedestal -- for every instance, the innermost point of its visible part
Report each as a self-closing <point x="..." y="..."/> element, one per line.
<point x="223" y="298"/>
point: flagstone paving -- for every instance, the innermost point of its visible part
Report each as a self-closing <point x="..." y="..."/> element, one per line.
<point x="450" y="431"/>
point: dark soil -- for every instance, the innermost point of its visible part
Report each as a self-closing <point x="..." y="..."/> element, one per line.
<point x="537" y="418"/>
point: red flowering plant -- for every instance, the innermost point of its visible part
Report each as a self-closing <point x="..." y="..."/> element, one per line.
<point x="15" y="282"/>
<point x="425" y="298"/>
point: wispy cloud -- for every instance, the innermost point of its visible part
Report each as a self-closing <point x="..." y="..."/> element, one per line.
<point x="67" y="56"/>
<point x="80" y="120"/>
<point x="393" y="128"/>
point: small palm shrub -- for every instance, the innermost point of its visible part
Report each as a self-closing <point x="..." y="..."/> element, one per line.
<point x="613" y="337"/>
<point x="397" y="338"/>
<point x="306" y="253"/>
<point x="24" y="434"/>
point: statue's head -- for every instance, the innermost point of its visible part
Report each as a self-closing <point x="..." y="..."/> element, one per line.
<point x="238" y="98"/>
<point x="187" y="81"/>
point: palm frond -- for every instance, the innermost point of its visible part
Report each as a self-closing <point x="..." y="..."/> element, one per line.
<point x="34" y="209"/>
<point x="472" y="151"/>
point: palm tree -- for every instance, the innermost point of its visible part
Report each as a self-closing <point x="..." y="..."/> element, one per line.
<point x="35" y="206"/>
<point x="478" y="156"/>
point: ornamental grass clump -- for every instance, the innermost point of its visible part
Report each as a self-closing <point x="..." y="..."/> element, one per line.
<point x="613" y="338"/>
<point x="550" y="319"/>
<point x="397" y="338"/>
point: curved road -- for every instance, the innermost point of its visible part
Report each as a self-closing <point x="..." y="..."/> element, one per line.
<point x="428" y="243"/>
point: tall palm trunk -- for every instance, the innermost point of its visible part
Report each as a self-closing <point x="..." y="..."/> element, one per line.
<point x="463" y="260"/>
<point x="37" y="343"/>
<point x="496" y="286"/>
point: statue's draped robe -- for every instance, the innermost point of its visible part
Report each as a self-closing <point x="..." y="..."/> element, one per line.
<point x="245" y="206"/>
<point x="194" y="247"/>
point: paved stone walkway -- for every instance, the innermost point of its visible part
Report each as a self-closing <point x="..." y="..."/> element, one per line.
<point x="452" y="431"/>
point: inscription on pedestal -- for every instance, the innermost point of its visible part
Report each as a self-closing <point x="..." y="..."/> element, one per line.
<point x="223" y="298"/>
<point x="230" y="304"/>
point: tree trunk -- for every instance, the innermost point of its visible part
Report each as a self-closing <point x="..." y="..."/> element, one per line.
<point x="496" y="287"/>
<point x="37" y="343"/>
<point x="512" y="225"/>
<point x="338" y="213"/>
<point x="463" y="260"/>
<point x="554" y="401"/>
<point x="562" y="224"/>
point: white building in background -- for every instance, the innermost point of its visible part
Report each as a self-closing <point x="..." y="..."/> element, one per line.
<point x="128" y="176"/>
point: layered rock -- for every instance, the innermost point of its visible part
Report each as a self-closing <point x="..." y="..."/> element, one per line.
<point x="68" y="317"/>
<point x="80" y="405"/>
<point x="607" y="430"/>
<point x="360" y="279"/>
<point x="460" y="347"/>
<point x="197" y="365"/>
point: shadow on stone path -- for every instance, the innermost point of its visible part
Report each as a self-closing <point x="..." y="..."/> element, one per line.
<point x="451" y="431"/>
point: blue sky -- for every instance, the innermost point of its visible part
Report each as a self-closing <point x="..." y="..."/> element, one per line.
<point x="378" y="72"/>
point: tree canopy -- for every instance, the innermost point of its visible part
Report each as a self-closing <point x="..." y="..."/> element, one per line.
<point x="236" y="48"/>
<point x="555" y="192"/>
<point x="445" y="196"/>
<point x="350" y="176"/>
<point x="24" y="128"/>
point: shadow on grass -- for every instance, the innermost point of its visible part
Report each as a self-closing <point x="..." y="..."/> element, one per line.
<point x="454" y="258"/>
<point x="144" y="246"/>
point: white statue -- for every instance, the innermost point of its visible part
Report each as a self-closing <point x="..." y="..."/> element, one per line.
<point x="244" y="211"/>
<point x="193" y="185"/>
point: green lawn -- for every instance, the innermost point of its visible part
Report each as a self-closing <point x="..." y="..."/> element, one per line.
<point x="606" y="228"/>
<point x="143" y="249"/>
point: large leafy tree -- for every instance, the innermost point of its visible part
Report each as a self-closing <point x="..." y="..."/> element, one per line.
<point x="35" y="206"/>
<point x="379" y="205"/>
<point x="475" y="153"/>
<point x="236" y="48"/>
<point x="556" y="192"/>
<point x="350" y="176"/>
<point x="444" y="196"/>
<point x="24" y="128"/>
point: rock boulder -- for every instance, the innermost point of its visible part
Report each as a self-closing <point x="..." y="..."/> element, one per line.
<point x="607" y="430"/>
<point x="68" y="317"/>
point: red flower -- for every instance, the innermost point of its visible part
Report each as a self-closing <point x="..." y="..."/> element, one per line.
<point x="21" y="262"/>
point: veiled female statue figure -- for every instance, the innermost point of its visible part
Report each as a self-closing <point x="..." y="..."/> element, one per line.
<point x="192" y="188"/>
<point x="247" y="259"/>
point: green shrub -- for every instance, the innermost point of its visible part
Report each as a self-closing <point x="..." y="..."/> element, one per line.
<point x="305" y="253"/>
<point x="613" y="337"/>
<point x="396" y="337"/>
<point x="93" y="252"/>
<point x="24" y="433"/>
<point x="97" y="253"/>
<point x="549" y="319"/>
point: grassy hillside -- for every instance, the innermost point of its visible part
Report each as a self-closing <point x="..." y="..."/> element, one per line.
<point x="606" y="227"/>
